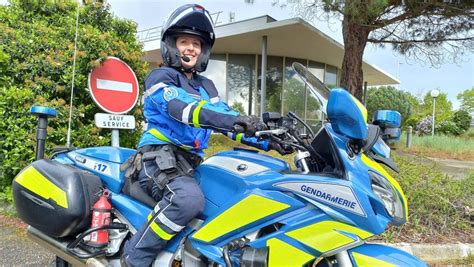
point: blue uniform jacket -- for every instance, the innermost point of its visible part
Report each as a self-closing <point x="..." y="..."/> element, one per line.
<point x="184" y="112"/>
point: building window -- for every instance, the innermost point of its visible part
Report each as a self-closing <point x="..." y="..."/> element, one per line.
<point x="274" y="84"/>
<point x="240" y="82"/>
<point x="330" y="76"/>
<point x="215" y="71"/>
<point x="317" y="69"/>
<point x="294" y="89"/>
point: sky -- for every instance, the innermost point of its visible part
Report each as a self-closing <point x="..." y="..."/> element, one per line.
<point x="416" y="78"/>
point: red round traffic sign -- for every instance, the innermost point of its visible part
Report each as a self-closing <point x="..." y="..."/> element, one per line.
<point x="114" y="86"/>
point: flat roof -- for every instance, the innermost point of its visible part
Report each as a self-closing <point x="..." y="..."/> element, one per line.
<point x="290" y="38"/>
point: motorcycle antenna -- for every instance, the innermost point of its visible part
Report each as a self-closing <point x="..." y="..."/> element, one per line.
<point x="68" y="139"/>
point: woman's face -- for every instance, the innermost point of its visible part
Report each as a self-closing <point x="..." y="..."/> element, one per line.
<point x="190" y="47"/>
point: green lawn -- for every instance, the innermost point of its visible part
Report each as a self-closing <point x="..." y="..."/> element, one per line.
<point x="440" y="146"/>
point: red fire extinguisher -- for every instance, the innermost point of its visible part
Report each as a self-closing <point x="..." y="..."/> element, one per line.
<point x="101" y="213"/>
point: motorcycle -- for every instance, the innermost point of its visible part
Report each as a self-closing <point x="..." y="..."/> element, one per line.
<point x="258" y="210"/>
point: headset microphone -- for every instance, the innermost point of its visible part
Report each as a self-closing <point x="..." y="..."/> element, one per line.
<point x="185" y="58"/>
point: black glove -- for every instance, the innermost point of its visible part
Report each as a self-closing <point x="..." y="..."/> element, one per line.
<point x="280" y="148"/>
<point x="251" y="124"/>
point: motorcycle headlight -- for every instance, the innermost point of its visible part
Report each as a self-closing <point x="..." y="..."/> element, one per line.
<point x="390" y="197"/>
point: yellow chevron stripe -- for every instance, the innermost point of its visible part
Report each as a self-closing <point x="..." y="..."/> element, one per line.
<point x="248" y="210"/>
<point x="283" y="254"/>
<point x="367" y="261"/>
<point x="34" y="181"/>
<point x="326" y="235"/>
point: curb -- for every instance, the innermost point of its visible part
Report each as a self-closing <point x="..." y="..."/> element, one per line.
<point x="435" y="253"/>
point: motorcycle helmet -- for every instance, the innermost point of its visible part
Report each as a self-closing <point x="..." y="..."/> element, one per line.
<point x="188" y="19"/>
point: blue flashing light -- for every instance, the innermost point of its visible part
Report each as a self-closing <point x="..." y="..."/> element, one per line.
<point x="39" y="110"/>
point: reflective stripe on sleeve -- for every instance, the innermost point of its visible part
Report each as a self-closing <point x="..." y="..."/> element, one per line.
<point x="187" y="112"/>
<point x="196" y="113"/>
<point x="238" y="138"/>
<point x="153" y="89"/>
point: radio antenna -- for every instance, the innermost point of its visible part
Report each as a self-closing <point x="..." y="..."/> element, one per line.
<point x="68" y="139"/>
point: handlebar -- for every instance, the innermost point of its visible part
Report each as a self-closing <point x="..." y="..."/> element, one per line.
<point x="278" y="131"/>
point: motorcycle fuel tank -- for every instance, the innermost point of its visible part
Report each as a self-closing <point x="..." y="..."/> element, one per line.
<point x="228" y="173"/>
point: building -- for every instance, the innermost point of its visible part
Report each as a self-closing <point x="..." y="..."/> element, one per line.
<point x="236" y="60"/>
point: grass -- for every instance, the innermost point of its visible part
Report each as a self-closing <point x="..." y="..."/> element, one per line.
<point x="441" y="146"/>
<point x="438" y="205"/>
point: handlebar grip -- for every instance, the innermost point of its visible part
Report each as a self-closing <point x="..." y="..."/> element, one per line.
<point x="238" y="129"/>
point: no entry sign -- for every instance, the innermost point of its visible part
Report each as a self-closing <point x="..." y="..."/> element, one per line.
<point x="114" y="86"/>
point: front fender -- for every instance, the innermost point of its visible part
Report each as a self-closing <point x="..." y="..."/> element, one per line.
<point x="383" y="256"/>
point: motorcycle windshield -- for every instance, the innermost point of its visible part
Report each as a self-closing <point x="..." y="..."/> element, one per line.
<point x="317" y="88"/>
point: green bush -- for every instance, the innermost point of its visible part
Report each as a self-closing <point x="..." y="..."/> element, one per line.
<point x="388" y="97"/>
<point x="448" y="128"/>
<point x="462" y="119"/>
<point x="36" y="64"/>
<point x="437" y="203"/>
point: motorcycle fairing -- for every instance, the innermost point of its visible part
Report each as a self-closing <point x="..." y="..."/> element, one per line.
<point x="373" y="165"/>
<point x="102" y="161"/>
<point x="244" y="212"/>
<point x="368" y="255"/>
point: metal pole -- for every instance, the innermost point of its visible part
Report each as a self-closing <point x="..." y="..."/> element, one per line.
<point x="263" y="87"/>
<point x="434" y="107"/>
<point x="409" y="135"/>
<point x="364" y="97"/>
<point x="115" y="138"/>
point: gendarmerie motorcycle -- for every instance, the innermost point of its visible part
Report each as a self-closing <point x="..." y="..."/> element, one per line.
<point x="258" y="211"/>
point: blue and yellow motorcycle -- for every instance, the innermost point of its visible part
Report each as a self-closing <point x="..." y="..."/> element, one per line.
<point x="258" y="211"/>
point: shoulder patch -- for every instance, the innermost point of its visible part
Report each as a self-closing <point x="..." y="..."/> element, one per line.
<point x="170" y="93"/>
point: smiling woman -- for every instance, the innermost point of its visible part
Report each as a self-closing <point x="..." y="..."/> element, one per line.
<point x="189" y="48"/>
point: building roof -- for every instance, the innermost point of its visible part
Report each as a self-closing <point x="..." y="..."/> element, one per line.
<point x="290" y="38"/>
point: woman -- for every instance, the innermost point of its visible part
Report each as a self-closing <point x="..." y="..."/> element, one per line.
<point x="182" y="108"/>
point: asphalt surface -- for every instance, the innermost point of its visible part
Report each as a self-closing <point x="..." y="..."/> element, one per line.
<point x="17" y="250"/>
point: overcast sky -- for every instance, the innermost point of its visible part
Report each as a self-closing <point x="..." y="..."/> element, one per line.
<point x="416" y="78"/>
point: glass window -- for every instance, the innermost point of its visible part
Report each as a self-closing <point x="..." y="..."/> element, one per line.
<point x="330" y="77"/>
<point x="216" y="71"/>
<point x="294" y="89"/>
<point x="313" y="109"/>
<point x="240" y="82"/>
<point x="317" y="69"/>
<point x="274" y="84"/>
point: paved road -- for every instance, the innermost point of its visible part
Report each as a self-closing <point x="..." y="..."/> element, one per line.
<point x="17" y="250"/>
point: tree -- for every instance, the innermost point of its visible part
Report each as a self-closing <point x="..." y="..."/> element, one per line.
<point x="36" y="62"/>
<point x="388" y="97"/>
<point x="433" y="31"/>
<point x="467" y="100"/>
<point x="443" y="108"/>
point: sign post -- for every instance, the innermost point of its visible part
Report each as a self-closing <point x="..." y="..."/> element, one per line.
<point x="114" y="88"/>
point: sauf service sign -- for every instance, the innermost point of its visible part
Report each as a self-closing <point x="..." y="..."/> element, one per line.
<point x="114" y="88"/>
